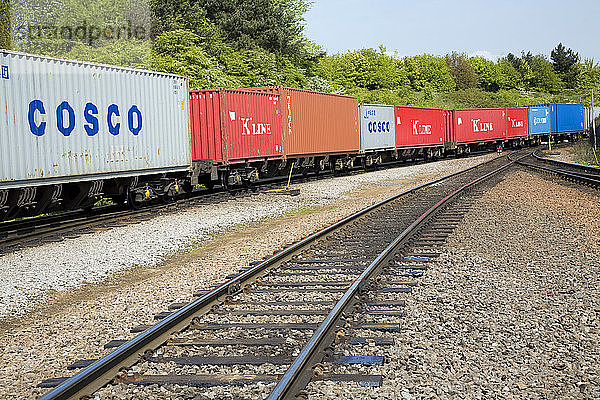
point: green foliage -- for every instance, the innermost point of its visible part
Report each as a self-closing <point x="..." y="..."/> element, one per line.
<point x="428" y="73"/>
<point x="367" y="68"/>
<point x="243" y="43"/>
<point x="178" y="52"/>
<point x="490" y="77"/>
<point x="566" y="64"/>
<point x="273" y="25"/>
<point x="5" y="29"/>
<point x="462" y="71"/>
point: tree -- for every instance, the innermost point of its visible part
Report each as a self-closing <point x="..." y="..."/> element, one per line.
<point x="511" y="78"/>
<point x="566" y="62"/>
<point x="366" y="68"/>
<point x="5" y="31"/>
<point x="429" y="72"/>
<point x="544" y="76"/>
<point x="274" y="25"/>
<point x="463" y="73"/>
<point x="490" y="78"/>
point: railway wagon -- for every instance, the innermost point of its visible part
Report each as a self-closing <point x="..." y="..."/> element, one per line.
<point x="235" y="134"/>
<point x="71" y="132"/>
<point x="320" y="130"/>
<point x="377" y="133"/>
<point x="420" y="131"/>
<point x="478" y="128"/>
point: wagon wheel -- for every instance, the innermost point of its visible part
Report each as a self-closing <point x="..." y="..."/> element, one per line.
<point x="133" y="204"/>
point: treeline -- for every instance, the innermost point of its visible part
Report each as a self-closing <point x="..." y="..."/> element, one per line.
<point x="241" y="43"/>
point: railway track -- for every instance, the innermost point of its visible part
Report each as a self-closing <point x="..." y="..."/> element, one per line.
<point x="582" y="174"/>
<point x="52" y="228"/>
<point x="298" y="316"/>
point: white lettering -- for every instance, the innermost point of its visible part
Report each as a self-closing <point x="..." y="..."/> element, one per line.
<point x="479" y="126"/>
<point x="254" y="128"/>
<point x="245" y="129"/>
<point x="420" y="129"/>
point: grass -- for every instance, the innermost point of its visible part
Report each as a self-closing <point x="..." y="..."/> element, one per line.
<point x="299" y="211"/>
<point x="583" y="153"/>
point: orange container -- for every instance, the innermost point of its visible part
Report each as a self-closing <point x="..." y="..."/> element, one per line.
<point x="315" y="123"/>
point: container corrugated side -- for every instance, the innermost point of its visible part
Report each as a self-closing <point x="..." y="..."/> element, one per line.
<point x="64" y="120"/>
<point x="566" y="118"/>
<point x="590" y="114"/>
<point x="377" y="127"/>
<point x="538" y="120"/>
<point x="516" y="122"/>
<point x="479" y="125"/>
<point x="205" y="120"/>
<point x="449" y="139"/>
<point x="253" y="125"/>
<point x="242" y="125"/>
<point x="315" y="123"/>
<point x="419" y="127"/>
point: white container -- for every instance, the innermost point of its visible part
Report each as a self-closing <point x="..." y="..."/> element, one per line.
<point x="377" y="127"/>
<point x="589" y="116"/>
<point x="59" y="122"/>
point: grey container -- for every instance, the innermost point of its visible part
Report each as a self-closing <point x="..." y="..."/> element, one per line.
<point x="66" y="121"/>
<point x="589" y="115"/>
<point x="377" y="127"/>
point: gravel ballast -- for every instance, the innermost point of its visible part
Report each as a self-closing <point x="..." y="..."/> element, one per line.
<point x="510" y="309"/>
<point x="75" y="321"/>
<point x="29" y="275"/>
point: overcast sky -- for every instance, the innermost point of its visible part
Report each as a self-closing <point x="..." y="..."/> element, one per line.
<point x="486" y="27"/>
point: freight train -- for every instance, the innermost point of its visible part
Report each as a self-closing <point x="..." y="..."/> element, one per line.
<point x="73" y="132"/>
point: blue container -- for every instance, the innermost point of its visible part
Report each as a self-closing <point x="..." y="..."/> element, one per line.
<point x="538" y="120"/>
<point x="566" y="118"/>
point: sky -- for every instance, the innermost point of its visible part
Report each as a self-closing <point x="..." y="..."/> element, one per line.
<point x="477" y="27"/>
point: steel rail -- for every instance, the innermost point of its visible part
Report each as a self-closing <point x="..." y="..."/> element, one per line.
<point x="587" y="168"/>
<point x="102" y="371"/>
<point x="583" y="178"/>
<point x="299" y="373"/>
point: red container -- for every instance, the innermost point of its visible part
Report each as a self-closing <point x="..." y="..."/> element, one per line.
<point x="230" y="126"/>
<point x="315" y="123"/>
<point x="419" y="127"/>
<point x="479" y="125"/>
<point x="516" y="122"/>
<point x="449" y="139"/>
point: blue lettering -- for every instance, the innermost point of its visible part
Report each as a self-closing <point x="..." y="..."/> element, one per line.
<point x="113" y="129"/>
<point x="370" y="126"/>
<point x="59" y="118"/>
<point x="134" y="111"/>
<point x="36" y="105"/>
<point x="90" y="114"/>
<point x="5" y="72"/>
<point x="387" y="126"/>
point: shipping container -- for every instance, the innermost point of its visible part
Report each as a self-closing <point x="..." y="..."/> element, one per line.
<point x="449" y="140"/>
<point x="64" y="121"/>
<point x="479" y="125"/>
<point x="419" y="127"/>
<point x="315" y="123"/>
<point x="516" y="122"/>
<point x="566" y="118"/>
<point x="231" y="126"/>
<point x="590" y="114"/>
<point x="538" y="120"/>
<point x="377" y="128"/>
